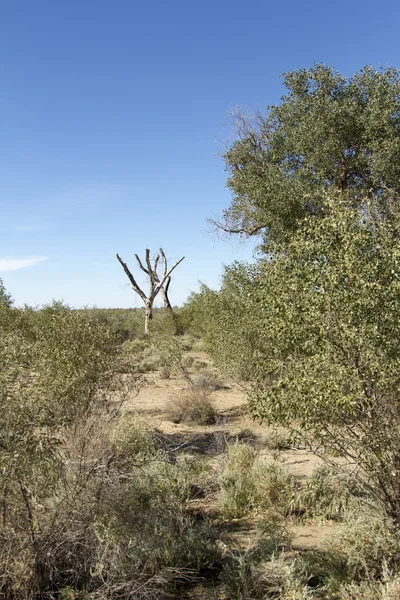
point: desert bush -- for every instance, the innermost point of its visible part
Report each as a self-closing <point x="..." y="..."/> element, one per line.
<point x="195" y="314"/>
<point x="257" y="574"/>
<point x="328" y="493"/>
<point x="365" y="544"/>
<point x="238" y="487"/>
<point x="277" y="439"/>
<point x="90" y="503"/>
<point x="193" y="406"/>
<point x="145" y="532"/>
<point x="133" y="438"/>
<point x="389" y="589"/>
<point x="170" y="353"/>
<point x="315" y="325"/>
<point x="208" y="380"/>
<point x="247" y="483"/>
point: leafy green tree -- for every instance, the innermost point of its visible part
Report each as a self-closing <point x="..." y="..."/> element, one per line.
<point x="195" y="315"/>
<point x="322" y="322"/>
<point x="5" y="298"/>
<point x="328" y="133"/>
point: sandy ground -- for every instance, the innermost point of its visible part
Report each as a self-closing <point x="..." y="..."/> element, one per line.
<point x="152" y="404"/>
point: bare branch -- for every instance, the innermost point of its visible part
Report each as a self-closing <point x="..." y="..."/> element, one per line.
<point x="164" y="261"/>
<point x="248" y="231"/>
<point x="165" y="277"/>
<point x="132" y="279"/>
<point x="141" y="264"/>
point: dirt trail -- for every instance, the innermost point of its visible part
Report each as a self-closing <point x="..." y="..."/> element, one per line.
<point x="234" y="419"/>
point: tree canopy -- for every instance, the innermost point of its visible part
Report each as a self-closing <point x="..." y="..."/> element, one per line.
<point x="329" y="133"/>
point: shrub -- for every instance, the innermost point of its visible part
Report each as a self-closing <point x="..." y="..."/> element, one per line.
<point x="365" y="544"/>
<point x="91" y="507"/>
<point x="248" y="483"/>
<point x="327" y="494"/>
<point x="209" y="381"/>
<point x="146" y="534"/>
<point x="372" y="590"/>
<point x="133" y="438"/>
<point x="278" y="440"/>
<point x="255" y="574"/>
<point x="193" y="406"/>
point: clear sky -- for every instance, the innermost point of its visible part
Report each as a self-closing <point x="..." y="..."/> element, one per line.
<point x="113" y="117"/>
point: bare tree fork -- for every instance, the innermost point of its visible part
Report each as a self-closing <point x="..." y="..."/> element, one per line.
<point x="157" y="283"/>
<point x="164" y="289"/>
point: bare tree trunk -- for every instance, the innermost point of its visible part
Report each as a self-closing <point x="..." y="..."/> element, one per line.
<point x="164" y="294"/>
<point x="148" y="312"/>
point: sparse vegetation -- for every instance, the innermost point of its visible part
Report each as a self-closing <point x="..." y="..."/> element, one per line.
<point x="98" y="502"/>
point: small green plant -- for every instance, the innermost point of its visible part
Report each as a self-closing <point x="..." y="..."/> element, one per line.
<point x="247" y="483"/>
<point x="193" y="406"/>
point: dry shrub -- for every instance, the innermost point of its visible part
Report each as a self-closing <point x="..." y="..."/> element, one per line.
<point x="193" y="406"/>
<point x="278" y="440"/>
<point x="372" y="590"/>
<point x="365" y="545"/>
<point x="257" y="574"/>
<point x="209" y="381"/>
<point x="247" y="483"/>
<point x="327" y="494"/>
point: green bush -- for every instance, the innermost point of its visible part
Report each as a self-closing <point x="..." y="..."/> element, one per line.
<point x="327" y="494"/>
<point x="247" y="483"/>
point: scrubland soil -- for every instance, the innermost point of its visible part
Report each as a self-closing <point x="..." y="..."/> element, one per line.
<point x="209" y="441"/>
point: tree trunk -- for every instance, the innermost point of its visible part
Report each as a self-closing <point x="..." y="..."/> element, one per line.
<point x="148" y="312"/>
<point x="164" y="294"/>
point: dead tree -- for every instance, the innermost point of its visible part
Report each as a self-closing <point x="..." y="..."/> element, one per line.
<point x="157" y="283"/>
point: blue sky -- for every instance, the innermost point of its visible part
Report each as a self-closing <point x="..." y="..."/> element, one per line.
<point x="113" y="115"/>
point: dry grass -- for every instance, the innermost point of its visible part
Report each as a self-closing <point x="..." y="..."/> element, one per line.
<point x="193" y="406"/>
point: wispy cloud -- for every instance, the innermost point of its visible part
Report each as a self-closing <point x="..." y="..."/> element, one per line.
<point x="13" y="264"/>
<point x="31" y="227"/>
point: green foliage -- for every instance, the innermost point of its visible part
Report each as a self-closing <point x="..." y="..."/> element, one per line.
<point x="91" y="506"/>
<point x="195" y="314"/>
<point x="327" y="494"/>
<point x="6" y="300"/>
<point x="318" y="328"/>
<point x="234" y="329"/>
<point x="248" y="483"/>
<point x="328" y="133"/>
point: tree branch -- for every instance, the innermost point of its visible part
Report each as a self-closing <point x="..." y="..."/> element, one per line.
<point x="141" y="264"/>
<point x="132" y="279"/>
<point x="241" y="230"/>
<point x="165" y="277"/>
